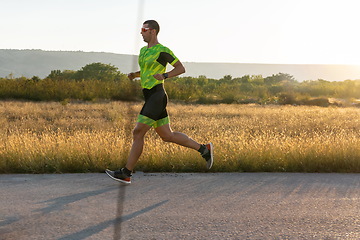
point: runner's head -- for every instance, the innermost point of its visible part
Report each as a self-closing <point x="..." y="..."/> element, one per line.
<point x="152" y="24"/>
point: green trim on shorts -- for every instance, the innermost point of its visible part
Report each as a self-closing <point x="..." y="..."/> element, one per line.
<point x="152" y="123"/>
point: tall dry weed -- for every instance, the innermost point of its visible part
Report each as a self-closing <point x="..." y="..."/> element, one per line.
<point x="88" y="137"/>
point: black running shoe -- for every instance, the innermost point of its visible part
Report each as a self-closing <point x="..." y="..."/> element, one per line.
<point x="208" y="155"/>
<point x="119" y="175"/>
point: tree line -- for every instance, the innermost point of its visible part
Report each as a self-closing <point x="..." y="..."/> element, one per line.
<point x="97" y="81"/>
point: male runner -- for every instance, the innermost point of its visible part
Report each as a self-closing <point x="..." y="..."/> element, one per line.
<point x="153" y="59"/>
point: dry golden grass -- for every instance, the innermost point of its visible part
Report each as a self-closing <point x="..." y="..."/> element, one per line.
<point x="83" y="137"/>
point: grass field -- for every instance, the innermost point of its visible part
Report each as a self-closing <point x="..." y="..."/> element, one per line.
<point x="89" y="137"/>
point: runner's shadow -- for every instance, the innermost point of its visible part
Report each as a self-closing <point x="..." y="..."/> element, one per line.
<point x="57" y="204"/>
<point x="8" y="221"/>
<point x="88" y="232"/>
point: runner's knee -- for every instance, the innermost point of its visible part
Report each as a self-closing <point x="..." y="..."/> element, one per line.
<point x="138" y="133"/>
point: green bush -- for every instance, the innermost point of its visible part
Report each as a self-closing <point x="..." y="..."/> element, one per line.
<point x="103" y="81"/>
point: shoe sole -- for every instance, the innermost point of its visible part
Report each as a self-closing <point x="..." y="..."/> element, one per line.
<point x="212" y="156"/>
<point x="116" y="179"/>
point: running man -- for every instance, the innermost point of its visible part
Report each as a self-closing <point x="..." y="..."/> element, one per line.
<point x="153" y="59"/>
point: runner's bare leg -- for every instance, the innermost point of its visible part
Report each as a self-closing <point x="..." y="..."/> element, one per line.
<point x="138" y="144"/>
<point x="182" y="139"/>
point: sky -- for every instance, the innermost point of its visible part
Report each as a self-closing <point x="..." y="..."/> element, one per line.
<point x="230" y="31"/>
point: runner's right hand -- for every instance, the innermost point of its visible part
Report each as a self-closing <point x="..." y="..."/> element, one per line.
<point x="131" y="76"/>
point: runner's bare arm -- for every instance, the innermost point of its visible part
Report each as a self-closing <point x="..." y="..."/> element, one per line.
<point x="176" y="71"/>
<point x="134" y="75"/>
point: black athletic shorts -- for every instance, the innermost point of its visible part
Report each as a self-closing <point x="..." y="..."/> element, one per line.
<point x="154" y="111"/>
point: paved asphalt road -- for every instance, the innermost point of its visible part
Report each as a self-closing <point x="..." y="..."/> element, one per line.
<point x="181" y="206"/>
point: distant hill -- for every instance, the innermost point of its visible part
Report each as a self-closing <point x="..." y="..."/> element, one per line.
<point x="29" y="63"/>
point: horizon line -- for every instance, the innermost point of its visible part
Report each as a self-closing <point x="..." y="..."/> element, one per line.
<point x="215" y="62"/>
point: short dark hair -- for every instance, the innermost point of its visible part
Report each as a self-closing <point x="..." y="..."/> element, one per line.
<point x="153" y="24"/>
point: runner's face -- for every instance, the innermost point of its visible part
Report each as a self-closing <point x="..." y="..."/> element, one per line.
<point x="147" y="33"/>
